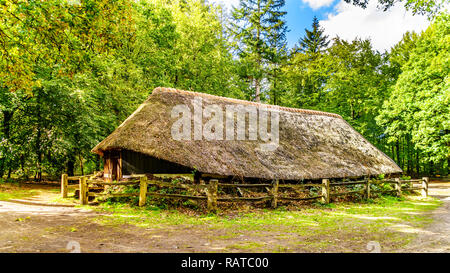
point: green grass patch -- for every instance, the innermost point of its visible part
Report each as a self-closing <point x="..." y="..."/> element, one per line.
<point x="15" y="191"/>
<point x="335" y="227"/>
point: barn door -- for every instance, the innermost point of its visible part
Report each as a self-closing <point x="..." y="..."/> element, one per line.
<point x="113" y="165"/>
<point x="116" y="166"/>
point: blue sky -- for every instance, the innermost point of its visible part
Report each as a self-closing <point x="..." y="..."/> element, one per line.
<point x="384" y="29"/>
<point x="300" y="16"/>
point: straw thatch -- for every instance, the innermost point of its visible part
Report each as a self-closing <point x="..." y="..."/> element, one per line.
<point x="312" y="144"/>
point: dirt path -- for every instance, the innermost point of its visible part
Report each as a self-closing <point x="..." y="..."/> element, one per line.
<point x="30" y="228"/>
<point x="435" y="237"/>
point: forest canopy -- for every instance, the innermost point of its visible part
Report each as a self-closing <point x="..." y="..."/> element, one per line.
<point x="72" y="71"/>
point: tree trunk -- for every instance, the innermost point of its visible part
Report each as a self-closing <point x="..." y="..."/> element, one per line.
<point x="38" y="146"/>
<point x="258" y="60"/>
<point x="417" y="164"/>
<point x="408" y="149"/>
<point x="81" y="164"/>
<point x="257" y="91"/>
<point x="448" y="166"/>
<point x="397" y="148"/>
<point x="71" y="166"/>
<point x="9" y="173"/>
<point x="275" y="87"/>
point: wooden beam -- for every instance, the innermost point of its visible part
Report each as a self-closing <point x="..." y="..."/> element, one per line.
<point x="424" y="190"/>
<point x="143" y="191"/>
<point x="275" y="184"/>
<point x="212" y="195"/>
<point x="83" y="191"/>
<point x="398" y="187"/>
<point x="326" y="191"/>
<point x="368" y="189"/>
<point x="64" y="185"/>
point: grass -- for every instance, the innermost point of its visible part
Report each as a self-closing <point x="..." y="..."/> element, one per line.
<point x="343" y="227"/>
<point x="15" y="191"/>
<point x="336" y="227"/>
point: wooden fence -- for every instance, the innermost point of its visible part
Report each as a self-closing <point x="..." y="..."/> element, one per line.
<point x="327" y="189"/>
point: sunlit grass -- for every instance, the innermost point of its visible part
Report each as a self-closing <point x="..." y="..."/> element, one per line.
<point x="322" y="227"/>
<point x="15" y="191"/>
<point x="337" y="226"/>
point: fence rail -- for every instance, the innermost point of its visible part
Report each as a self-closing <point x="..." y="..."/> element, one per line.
<point x="210" y="191"/>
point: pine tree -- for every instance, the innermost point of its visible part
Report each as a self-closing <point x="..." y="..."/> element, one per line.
<point x="260" y="33"/>
<point x="314" y="40"/>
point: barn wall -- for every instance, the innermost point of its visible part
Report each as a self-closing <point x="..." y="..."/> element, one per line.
<point x="137" y="163"/>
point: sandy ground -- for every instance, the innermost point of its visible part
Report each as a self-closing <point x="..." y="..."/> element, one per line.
<point x="31" y="228"/>
<point x="435" y="237"/>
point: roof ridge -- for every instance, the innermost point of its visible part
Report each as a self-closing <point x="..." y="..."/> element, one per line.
<point x="205" y="95"/>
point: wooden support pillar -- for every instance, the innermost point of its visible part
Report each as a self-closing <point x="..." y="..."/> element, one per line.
<point x="275" y="184"/>
<point x="325" y="191"/>
<point x="64" y="185"/>
<point x="83" y="190"/>
<point x="143" y="191"/>
<point x="424" y="190"/>
<point x="211" y="193"/>
<point x="367" y="194"/>
<point x="197" y="177"/>
<point x="398" y="187"/>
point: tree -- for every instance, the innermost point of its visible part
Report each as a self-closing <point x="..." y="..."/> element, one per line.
<point x="58" y="34"/>
<point x="314" y="40"/>
<point x="428" y="7"/>
<point x="355" y="88"/>
<point x="307" y="69"/>
<point x="82" y="69"/>
<point x="42" y="43"/>
<point x="277" y="57"/>
<point x="259" y="30"/>
<point x="419" y="104"/>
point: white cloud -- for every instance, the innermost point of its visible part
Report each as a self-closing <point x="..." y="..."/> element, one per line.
<point x="384" y="29"/>
<point x="316" y="4"/>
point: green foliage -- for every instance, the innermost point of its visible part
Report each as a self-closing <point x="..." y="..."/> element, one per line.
<point x="72" y="71"/>
<point x="84" y="69"/>
<point x="398" y="100"/>
<point x="314" y="41"/>
<point x="428" y="7"/>
<point x="418" y="108"/>
<point x="259" y="31"/>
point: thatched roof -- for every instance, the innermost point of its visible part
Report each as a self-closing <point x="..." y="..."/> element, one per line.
<point x="312" y="144"/>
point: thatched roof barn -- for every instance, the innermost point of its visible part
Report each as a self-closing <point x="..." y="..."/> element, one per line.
<point x="312" y="145"/>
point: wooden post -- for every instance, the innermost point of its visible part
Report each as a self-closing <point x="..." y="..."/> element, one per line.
<point x="211" y="193"/>
<point x="143" y="191"/>
<point x="424" y="190"/>
<point x="367" y="195"/>
<point x="197" y="177"/>
<point x="398" y="187"/>
<point x="83" y="190"/>
<point x="325" y="191"/>
<point x="275" y="184"/>
<point x="64" y="185"/>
